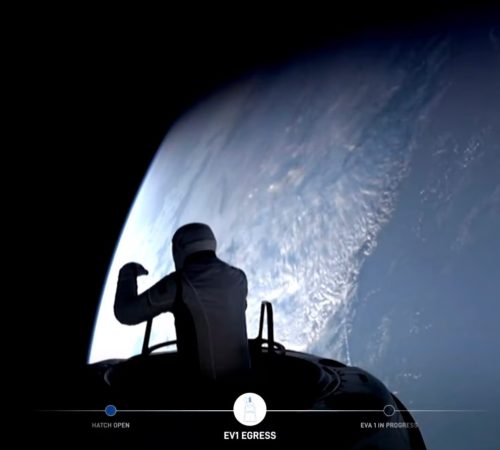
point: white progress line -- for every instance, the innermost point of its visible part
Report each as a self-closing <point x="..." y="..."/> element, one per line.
<point x="269" y="410"/>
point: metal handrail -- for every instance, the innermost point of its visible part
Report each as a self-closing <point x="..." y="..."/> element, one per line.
<point x="267" y="307"/>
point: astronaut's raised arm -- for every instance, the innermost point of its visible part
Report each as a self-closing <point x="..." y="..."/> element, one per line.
<point x="130" y="308"/>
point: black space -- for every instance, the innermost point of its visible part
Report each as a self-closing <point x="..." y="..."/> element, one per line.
<point x="106" y="91"/>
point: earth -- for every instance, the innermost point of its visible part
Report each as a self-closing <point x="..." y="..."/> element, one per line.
<point x="359" y="189"/>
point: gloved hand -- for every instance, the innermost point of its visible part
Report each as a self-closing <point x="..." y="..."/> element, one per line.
<point x="130" y="308"/>
<point x="132" y="269"/>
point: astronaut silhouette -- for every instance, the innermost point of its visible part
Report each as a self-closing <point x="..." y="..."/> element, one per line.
<point x="250" y="414"/>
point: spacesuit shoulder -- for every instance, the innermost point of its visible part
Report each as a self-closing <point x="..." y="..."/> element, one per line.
<point x="162" y="294"/>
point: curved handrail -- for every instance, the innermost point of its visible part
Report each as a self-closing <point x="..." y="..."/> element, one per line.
<point x="267" y="307"/>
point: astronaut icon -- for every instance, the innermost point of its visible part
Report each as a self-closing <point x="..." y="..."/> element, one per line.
<point x="250" y="413"/>
<point x="249" y="409"/>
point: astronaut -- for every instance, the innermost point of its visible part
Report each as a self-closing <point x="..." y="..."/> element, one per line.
<point x="250" y="414"/>
<point x="207" y="297"/>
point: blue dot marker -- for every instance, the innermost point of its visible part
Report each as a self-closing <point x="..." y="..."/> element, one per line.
<point x="110" y="410"/>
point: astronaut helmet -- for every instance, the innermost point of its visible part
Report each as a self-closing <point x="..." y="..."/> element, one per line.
<point x="191" y="238"/>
